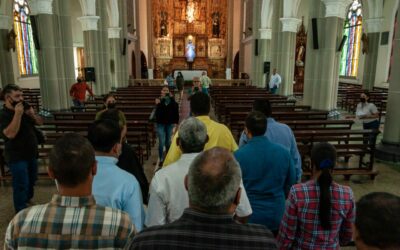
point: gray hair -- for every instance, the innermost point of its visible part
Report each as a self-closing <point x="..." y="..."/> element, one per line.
<point x="213" y="180"/>
<point x="192" y="135"/>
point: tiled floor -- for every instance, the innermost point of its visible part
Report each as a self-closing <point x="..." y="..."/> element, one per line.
<point x="387" y="181"/>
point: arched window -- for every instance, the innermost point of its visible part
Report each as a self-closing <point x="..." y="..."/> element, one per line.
<point x="27" y="56"/>
<point x="352" y="47"/>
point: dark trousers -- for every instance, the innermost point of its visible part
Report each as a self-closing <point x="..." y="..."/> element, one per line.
<point x="24" y="175"/>
<point x="371" y="125"/>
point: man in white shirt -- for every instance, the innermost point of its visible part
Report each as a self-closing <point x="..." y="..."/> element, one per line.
<point x="168" y="196"/>
<point x="275" y="82"/>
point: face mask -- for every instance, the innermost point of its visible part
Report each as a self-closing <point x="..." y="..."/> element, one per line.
<point x="111" y="105"/>
<point x="167" y="100"/>
<point x="362" y="100"/>
<point x="13" y="103"/>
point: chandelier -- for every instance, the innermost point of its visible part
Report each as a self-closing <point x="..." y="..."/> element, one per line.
<point x="190" y="11"/>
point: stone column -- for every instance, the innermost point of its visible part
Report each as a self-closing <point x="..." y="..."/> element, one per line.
<point x="137" y="42"/>
<point x="90" y="29"/>
<point x="104" y="71"/>
<point x="287" y="54"/>
<point x="6" y="65"/>
<point x="264" y="41"/>
<point x="115" y="56"/>
<point x="123" y="15"/>
<point x="66" y="72"/>
<point x="55" y="56"/>
<point x="322" y="68"/>
<point x="389" y="150"/>
<point x="275" y="37"/>
<point x="373" y="35"/>
<point x="229" y="50"/>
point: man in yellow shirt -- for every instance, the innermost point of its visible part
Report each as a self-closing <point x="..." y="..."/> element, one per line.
<point x="219" y="135"/>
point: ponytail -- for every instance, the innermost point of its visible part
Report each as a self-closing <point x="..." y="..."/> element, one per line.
<point x="323" y="157"/>
<point x="325" y="204"/>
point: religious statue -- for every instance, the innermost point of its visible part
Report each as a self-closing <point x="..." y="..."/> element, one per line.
<point x="215" y="24"/>
<point x="364" y="39"/>
<point x="190" y="54"/>
<point x="300" y="56"/>
<point x="163" y="24"/>
<point x="11" y="39"/>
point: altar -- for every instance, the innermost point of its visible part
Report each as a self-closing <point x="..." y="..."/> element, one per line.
<point x="188" y="75"/>
<point x="190" y="36"/>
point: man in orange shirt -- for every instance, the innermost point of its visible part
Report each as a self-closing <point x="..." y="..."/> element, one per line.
<point x="78" y="92"/>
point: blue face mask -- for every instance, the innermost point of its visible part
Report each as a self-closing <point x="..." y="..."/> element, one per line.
<point x="167" y="99"/>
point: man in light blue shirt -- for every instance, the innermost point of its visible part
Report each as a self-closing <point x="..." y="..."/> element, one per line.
<point x="267" y="172"/>
<point x="278" y="133"/>
<point x="112" y="186"/>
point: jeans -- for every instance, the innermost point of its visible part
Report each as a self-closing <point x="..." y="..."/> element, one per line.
<point x="78" y="103"/>
<point x="274" y="90"/>
<point x="204" y="90"/>
<point x="164" y="132"/>
<point x="24" y="175"/>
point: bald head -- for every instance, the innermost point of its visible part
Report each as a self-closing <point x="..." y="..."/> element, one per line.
<point x="213" y="180"/>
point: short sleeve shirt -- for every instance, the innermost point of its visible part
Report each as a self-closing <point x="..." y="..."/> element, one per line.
<point x="24" y="146"/>
<point x="366" y="109"/>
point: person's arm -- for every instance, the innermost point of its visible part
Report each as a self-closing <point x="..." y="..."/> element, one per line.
<point x="243" y="210"/>
<point x="294" y="153"/>
<point x="174" y="152"/>
<point x="346" y="231"/>
<point x="12" y="129"/>
<point x="243" y="140"/>
<point x="291" y="176"/>
<point x="157" y="209"/>
<point x="72" y="90"/>
<point x="133" y="205"/>
<point x="89" y="90"/>
<point x="9" y="241"/>
<point x="36" y="119"/>
<point x="288" y="227"/>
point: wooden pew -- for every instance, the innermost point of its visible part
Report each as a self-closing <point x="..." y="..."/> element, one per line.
<point x="348" y="143"/>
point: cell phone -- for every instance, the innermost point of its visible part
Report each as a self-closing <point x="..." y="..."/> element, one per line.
<point x="26" y="105"/>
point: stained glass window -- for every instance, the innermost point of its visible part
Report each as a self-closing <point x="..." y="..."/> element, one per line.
<point x="27" y="55"/>
<point x="352" y="46"/>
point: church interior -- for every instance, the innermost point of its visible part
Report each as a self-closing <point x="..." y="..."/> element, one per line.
<point x="326" y="53"/>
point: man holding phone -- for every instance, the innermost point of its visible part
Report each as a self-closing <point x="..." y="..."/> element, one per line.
<point x="17" y="128"/>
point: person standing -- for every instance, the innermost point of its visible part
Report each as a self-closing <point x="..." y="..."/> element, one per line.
<point x="78" y="92"/>
<point x="170" y="81"/>
<point x="205" y="82"/>
<point x="167" y="116"/>
<point x="213" y="190"/>
<point x="319" y="213"/>
<point x="180" y="82"/>
<point x="268" y="173"/>
<point x="112" y="186"/>
<point x="18" y="120"/>
<point x="277" y="133"/>
<point x="275" y="82"/>
<point x="72" y="219"/>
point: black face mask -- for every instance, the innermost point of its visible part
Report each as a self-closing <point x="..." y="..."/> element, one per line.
<point x="363" y="100"/>
<point x="111" y="105"/>
<point x="14" y="103"/>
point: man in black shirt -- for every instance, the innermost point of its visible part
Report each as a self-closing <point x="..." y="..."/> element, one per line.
<point x="17" y="128"/>
<point x="213" y="185"/>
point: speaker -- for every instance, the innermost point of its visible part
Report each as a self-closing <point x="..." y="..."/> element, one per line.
<point x="342" y="43"/>
<point x="267" y="67"/>
<point x="90" y="75"/>
<point x="256" y="47"/>
<point x="35" y="32"/>
<point x="315" y="33"/>
<point x="124" y="47"/>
